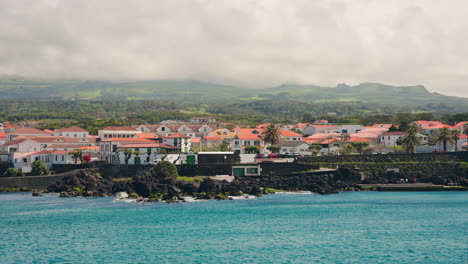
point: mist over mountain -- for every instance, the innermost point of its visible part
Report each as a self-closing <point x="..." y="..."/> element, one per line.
<point x="205" y="92"/>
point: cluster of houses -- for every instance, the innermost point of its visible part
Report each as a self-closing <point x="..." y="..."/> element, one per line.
<point x="180" y="141"/>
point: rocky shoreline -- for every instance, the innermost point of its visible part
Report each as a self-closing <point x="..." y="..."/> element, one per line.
<point x="90" y="183"/>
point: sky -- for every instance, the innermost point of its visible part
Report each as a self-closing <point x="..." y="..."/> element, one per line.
<point x="258" y="43"/>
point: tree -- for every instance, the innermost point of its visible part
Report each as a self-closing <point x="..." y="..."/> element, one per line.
<point x="163" y="170"/>
<point x="410" y="140"/>
<point x="11" y="172"/>
<point x="252" y="149"/>
<point x="465" y="128"/>
<point x="455" y="137"/>
<point x="346" y="149"/>
<point x="76" y="155"/>
<point x="224" y="146"/>
<point x="315" y="148"/>
<point x="38" y="168"/>
<point x="271" y="134"/>
<point x="359" y="146"/>
<point x="274" y="149"/>
<point x="444" y="137"/>
<point x="128" y="154"/>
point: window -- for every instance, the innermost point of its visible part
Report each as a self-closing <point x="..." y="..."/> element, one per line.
<point x="186" y="140"/>
<point x="163" y="129"/>
<point x="75" y="135"/>
<point x="257" y="143"/>
<point x="102" y="147"/>
<point x="63" y="157"/>
<point x="252" y="171"/>
<point x="56" y="157"/>
<point x="175" y="141"/>
<point x="247" y="143"/>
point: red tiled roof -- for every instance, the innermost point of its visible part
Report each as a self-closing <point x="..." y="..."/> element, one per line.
<point x="28" y="131"/>
<point x="461" y="124"/>
<point x="14" y="142"/>
<point x="127" y="140"/>
<point x="48" y="131"/>
<point x="71" y="129"/>
<point x="177" y="135"/>
<point x="288" y="133"/>
<point x="195" y="140"/>
<point x="2" y="134"/>
<point x="146" y="135"/>
<point x="147" y="145"/>
<point x="359" y="139"/>
<point x="249" y="136"/>
<point x="89" y="148"/>
<point x="438" y="127"/>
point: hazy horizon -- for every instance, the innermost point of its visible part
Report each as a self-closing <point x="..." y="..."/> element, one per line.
<point x="244" y="43"/>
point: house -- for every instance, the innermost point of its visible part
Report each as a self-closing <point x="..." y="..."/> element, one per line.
<point x="294" y="147"/>
<point x="74" y="131"/>
<point x="390" y="139"/>
<point x="452" y="146"/>
<point x="210" y="142"/>
<point x="117" y="132"/>
<point x="178" y="140"/>
<point x="315" y="129"/>
<point x="289" y="135"/>
<point x="147" y="152"/>
<point x="243" y="140"/>
<point x="434" y="130"/>
<point x="108" y="147"/>
<point x="23" y="160"/>
<point x="346" y="129"/>
<point x="25" y="131"/>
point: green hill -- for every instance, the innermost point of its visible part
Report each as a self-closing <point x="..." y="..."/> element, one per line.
<point x="203" y="92"/>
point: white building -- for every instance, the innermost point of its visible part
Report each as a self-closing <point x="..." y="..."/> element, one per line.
<point x="74" y="131"/>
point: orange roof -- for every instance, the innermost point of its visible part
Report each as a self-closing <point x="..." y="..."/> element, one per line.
<point x="177" y="135"/>
<point x="249" y="136"/>
<point x="68" y="146"/>
<point x="127" y="140"/>
<point x="359" y="139"/>
<point x="146" y="135"/>
<point x="48" y="131"/>
<point x="147" y="145"/>
<point x="90" y="148"/>
<point x="288" y="133"/>
<point x="195" y="140"/>
<point x="27" y="131"/>
<point x="2" y="134"/>
<point x="461" y="124"/>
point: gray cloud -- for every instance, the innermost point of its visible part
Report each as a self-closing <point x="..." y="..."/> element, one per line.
<point x="252" y="43"/>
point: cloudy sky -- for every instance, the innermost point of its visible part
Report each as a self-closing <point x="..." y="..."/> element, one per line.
<point x="257" y="43"/>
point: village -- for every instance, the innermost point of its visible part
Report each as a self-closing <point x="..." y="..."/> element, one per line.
<point x="181" y="142"/>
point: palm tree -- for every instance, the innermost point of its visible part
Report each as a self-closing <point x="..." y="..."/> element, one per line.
<point x="410" y="140"/>
<point x="444" y="137"/>
<point x="271" y="134"/>
<point x="455" y="137"/>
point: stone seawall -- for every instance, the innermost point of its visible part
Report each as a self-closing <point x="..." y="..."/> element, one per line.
<point x="389" y="158"/>
<point x="31" y="182"/>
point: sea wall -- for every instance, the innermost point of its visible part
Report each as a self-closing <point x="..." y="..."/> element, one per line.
<point x="31" y="182"/>
<point x="389" y="158"/>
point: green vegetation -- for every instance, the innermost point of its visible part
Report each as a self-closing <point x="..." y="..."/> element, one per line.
<point x="12" y="172"/>
<point x="164" y="170"/>
<point x="21" y="189"/>
<point x="187" y="179"/>
<point x="38" y="168"/>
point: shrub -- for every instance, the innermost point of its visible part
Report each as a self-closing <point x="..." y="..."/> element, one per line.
<point x="163" y="170"/>
<point x="38" y="168"/>
<point x="11" y="172"/>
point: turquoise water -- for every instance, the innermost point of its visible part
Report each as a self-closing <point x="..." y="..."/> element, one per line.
<point x="353" y="227"/>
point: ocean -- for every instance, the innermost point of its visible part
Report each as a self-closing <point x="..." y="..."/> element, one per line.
<point x="350" y="227"/>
